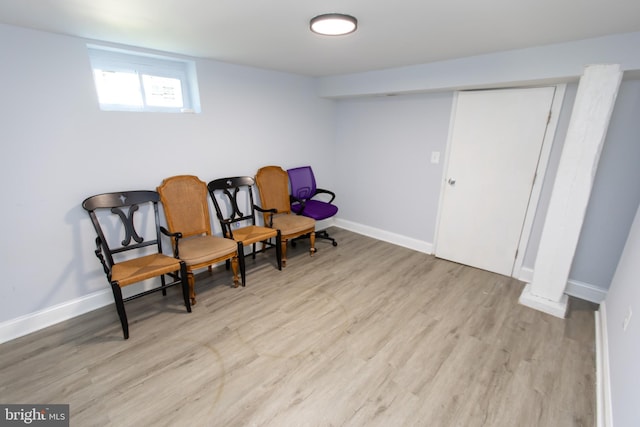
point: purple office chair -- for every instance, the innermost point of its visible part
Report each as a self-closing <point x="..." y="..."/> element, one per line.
<point x="303" y="190"/>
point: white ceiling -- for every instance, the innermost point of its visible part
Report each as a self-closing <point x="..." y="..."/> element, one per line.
<point x="274" y="34"/>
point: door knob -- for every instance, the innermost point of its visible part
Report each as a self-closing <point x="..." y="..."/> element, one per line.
<point x="451" y="181"/>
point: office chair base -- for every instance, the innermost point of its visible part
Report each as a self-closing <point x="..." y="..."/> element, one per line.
<point x="322" y="234"/>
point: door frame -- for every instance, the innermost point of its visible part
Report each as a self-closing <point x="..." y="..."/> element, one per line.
<point x="536" y="190"/>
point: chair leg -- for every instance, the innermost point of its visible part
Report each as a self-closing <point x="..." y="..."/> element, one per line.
<point x="164" y="284"/>
<point x="234" y="268"/>
<point x="242" y="264"/>
<point x="117" y="296"/>
<point x="283" y="252"/>
<point x="318" y="235"/>
<point x="192" y="286"/>
<point x="185" y="286"/>
<point x="279" y="249"/>
<point x="312" y="240"/>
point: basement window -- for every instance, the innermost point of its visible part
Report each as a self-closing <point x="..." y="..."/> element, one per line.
<point x="133" y="81"/>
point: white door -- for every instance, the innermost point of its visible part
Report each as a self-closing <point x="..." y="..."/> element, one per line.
<point x="494" y="150"/>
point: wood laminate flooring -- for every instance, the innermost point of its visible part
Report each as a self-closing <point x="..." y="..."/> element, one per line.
<point x="363" y="334"/>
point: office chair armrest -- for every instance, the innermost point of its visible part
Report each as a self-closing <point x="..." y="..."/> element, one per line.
<point x="294" y="199"/>
<point x="176" y="236"/>
<point x="329" y="192"/>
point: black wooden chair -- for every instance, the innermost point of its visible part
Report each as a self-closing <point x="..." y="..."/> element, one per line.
<point x="235" y="209"/>
<point x="138" y="258"/>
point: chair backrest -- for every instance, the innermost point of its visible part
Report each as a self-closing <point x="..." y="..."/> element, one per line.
<point x="233" y="200"/>
<point x="114" y="213"/>
<point x="273" y="187"/>
<point x="303" y="182"/>
<point x="185" y="202"/>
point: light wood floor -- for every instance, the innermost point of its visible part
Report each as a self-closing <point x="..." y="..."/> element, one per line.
<point x="364" y="334"/>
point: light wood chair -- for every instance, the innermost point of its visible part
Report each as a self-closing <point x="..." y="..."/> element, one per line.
<point x="185" y="202"/>
<point x="125" y="256"/>
<point x="273" y="187"/>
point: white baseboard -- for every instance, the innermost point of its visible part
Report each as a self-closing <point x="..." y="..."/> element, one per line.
<point x="585" y="291"/>
<point x="554" y="308"/>
<point x="603" y="383"/>
<point x="386" y="236"/>
<point x="575" y="288"/>
<point x="324" y="223"/>
<point x="24" y="325"/>
<point x="597" y="295"/>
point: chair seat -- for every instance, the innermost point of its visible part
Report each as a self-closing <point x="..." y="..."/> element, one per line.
<point x="205" y="249"/>
<point x="293" y="224"/>
<point x="316" y="209"/>
<point x="146" y="267"/>
<point x="253" y="234"/>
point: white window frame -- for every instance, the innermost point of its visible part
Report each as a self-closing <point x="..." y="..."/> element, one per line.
<point x="120" y="60"/>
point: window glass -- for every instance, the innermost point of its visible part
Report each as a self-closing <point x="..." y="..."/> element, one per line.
<point x="131" y="81"/>
<point x="118" y="88"/>
<point x="162" y="91"/>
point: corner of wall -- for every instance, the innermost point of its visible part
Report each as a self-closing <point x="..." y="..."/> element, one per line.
<point x="386" y="236"/>
<point x="574" y="288"/>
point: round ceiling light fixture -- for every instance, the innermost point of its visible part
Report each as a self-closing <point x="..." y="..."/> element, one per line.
<point x="333" y="24"/>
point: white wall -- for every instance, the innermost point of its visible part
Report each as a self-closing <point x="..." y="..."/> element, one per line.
<point x="389" y="140"/>
<point x="552" y="167"/>
<point x="541" y="64"/>
<point x="58" y="148"/>
<point x="613" y="201"/>
<point x="615" y="195"/>
<point x="624" y="345"/>
<point x="385" y="146"/>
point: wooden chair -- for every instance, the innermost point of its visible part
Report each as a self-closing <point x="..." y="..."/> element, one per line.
<point x="138" y="258"/>
<point x="185" y="202"/>
<point x="273" y="187"/>
<point x="233" y="201"/>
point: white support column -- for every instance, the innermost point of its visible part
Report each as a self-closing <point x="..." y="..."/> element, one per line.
<point x="592" y="110"/>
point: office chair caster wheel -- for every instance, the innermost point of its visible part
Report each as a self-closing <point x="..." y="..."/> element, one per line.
<point x="335" y="243"/>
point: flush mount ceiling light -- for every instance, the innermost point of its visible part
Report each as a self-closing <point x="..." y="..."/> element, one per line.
<point x="333" y="24"/>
